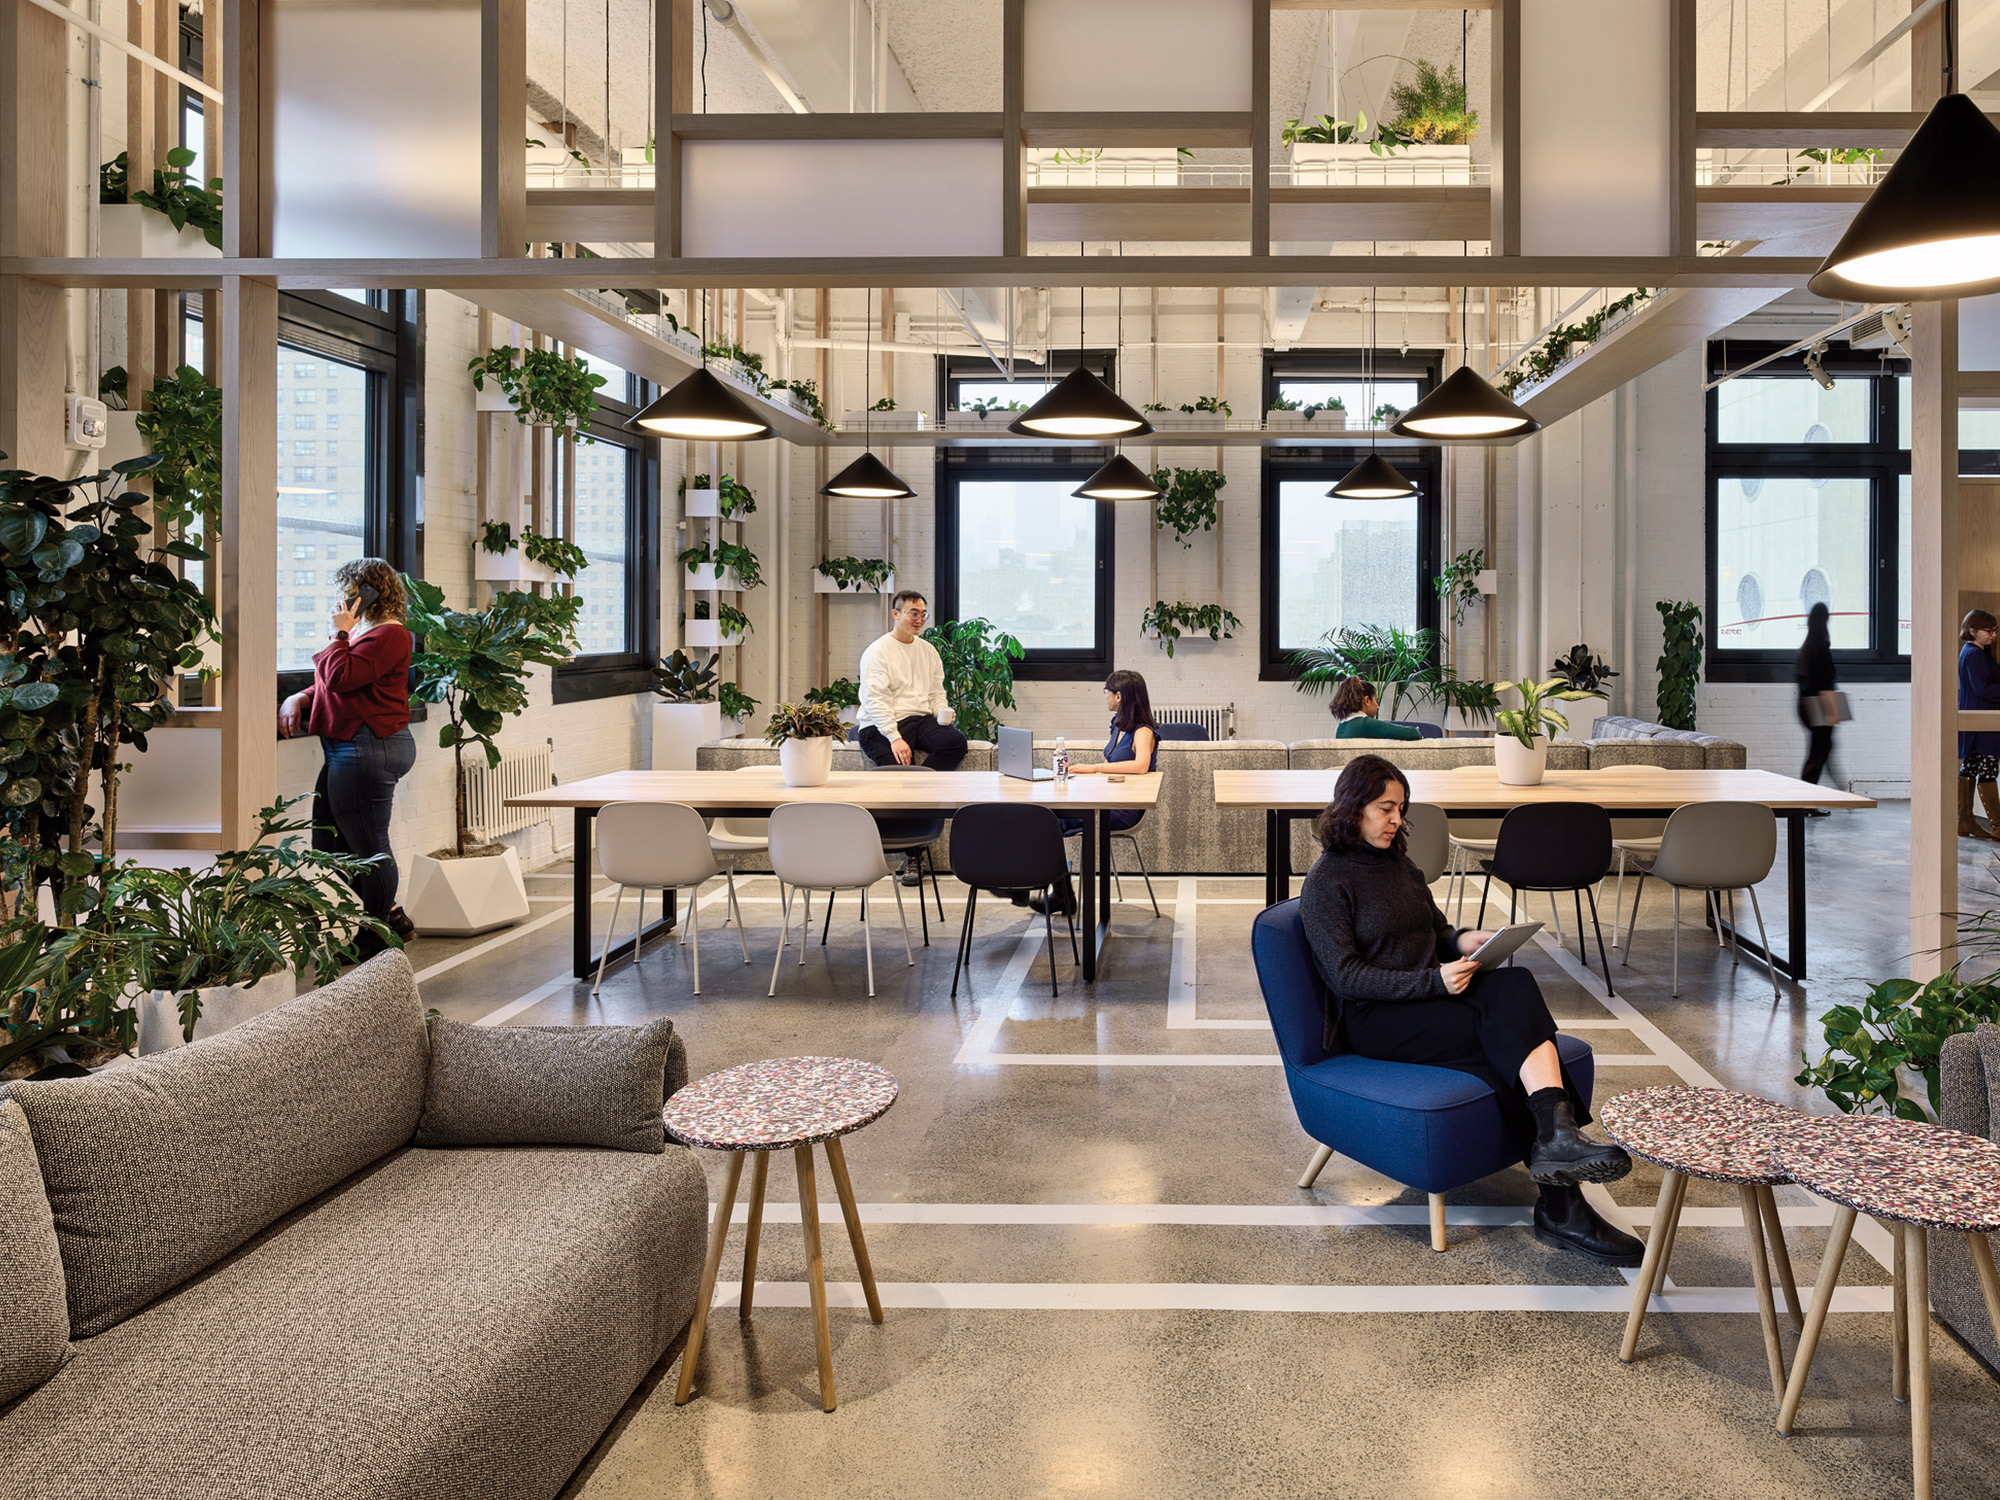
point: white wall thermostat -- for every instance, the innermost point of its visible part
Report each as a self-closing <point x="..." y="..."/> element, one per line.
<point x="86" y="423"/>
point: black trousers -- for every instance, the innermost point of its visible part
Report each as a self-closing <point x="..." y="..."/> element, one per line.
<point x="1488" y="1032"/>
<point x="942" y="746"/>
<point x="1819" y="746"/>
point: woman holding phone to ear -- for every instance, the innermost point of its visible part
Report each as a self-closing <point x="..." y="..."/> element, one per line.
<point x="359" y="706"/>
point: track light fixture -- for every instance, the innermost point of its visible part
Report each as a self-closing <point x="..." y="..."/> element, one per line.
<point x="1813" y="359"/>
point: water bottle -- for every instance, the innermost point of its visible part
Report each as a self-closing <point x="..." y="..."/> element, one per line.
<point x="1062" y="763"/>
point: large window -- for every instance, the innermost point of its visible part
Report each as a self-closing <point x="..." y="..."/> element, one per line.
<point x="1809" y="503"/>
<point x="605" y="489"/>
<point x="612" y="516"/>
<point x="329" y="441"/>
<point x="1018" y="548"/>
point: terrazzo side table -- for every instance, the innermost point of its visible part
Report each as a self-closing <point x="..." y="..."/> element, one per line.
<point x="786" y="1104"/>
<point x="1718" y="1136"/>
<point x="1916" y="1178"/>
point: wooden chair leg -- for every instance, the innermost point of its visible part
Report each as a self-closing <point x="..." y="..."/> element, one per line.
<point x="815" y="1271"/>
<point x="1918" y="1297"/>
<point x="1774" y="1236"/>
<point x="758" y="1172"/>
<point x="719" y="1233"/>
<point x="1829" y="1278"/>
<point x="1899" y="1323"/>
<point x="1667" y="1248"/>
<point x="1665" y="1212"/>
<point x="1437" y="1221"/>
<point x="836" y="1158"/>
<point x="1989" y="1282"/>
<point x="1325" y="1154"/>
<point x="1760" y="1273"/>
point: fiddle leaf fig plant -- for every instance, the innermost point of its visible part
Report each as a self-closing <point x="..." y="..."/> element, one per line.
<point x="978" y="671"/>
<point x="544" y="386"/>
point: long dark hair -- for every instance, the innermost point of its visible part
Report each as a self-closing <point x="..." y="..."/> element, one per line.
<point x="1135" y="705"/>
<point x="1339" y="827"/>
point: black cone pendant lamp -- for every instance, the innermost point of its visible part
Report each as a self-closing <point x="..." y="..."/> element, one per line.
<point x="704" y="410"/>
<point x="1081" y="405"/>
<point x="867" y="478"/>
<point x="1374" y="478"/>
<point x="1931" y="228"/>
<point x="1463" y="406"/>
<point x="1119" y="479"/>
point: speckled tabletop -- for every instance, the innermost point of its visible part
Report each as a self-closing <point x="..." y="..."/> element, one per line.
<point x="1898" y="1169"/>
<point x="779" y="1104"/>
<point x="1709" y="1133"/>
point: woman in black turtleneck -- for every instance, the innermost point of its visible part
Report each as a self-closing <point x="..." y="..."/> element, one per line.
<point x="1403" y="991"/>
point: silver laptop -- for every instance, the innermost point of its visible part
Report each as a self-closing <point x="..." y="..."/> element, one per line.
<point x="1016" y="756"/>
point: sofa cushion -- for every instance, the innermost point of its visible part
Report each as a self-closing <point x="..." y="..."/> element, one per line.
<point x="158" y="1169"/>
<point x="445" y="1324"/>
<point x="550" y="1085"/>
<point x="1668" y="754"/>
<point x="34" y="1317"/>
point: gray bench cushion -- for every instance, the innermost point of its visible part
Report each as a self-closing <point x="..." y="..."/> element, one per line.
<point x="34" y="1317"/>
<point x="158" y="1169"/>
<point x="446" y="1324"/>
<point x="1969" y="1072"/>
<point x="550" y="1085"/>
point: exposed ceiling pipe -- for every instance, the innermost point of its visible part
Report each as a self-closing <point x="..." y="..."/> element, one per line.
<point x="953" y="303"/>
<point x="724" y="12"/>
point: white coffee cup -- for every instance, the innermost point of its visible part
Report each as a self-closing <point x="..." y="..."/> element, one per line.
<point x="947" y="715"/>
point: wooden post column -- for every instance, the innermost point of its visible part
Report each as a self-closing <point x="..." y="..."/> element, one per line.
<point x="245" y="555"/>
<point x="1933" y="635"/>
<point x="34" y="150"/>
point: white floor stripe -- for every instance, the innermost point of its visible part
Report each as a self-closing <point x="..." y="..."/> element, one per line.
<point x="1044" y="1296"/>
<point x="977" y="1048"/>
<point x="1134" y="1059"/>
<point x="1182" y="971"/>
<point x="528" y="1001"/>
<point x="1239" y="1215"/>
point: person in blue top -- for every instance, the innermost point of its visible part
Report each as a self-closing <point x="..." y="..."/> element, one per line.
<point x="1134" y="748"/>
<point x="1356" y="706"/>
<point x="1978" y="749"/>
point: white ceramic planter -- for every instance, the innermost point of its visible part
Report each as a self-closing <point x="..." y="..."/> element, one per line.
<point x="1353" y="162"/>
<point x="1517" y="764"/>
<point x="222" y="1006"/>
<point x="680" y="728"/>
<point x="973" y="421"/>
<point x="807" y="762"/>
<point x="711" y="579"/>
<point x="825" y="585"/>
<point x="1114" y="166"/>
<point x="460" y="897"/>
<point x="128" y="232"/>
<point x="1325" y="421"/>
<point x="704" y="502"/>
<point x="708" y="633"/>
<point x="511" y="566"/>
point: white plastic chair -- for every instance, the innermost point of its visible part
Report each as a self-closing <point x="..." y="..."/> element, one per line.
<point x="1713" y="847"/>
<point x="829" y="846"/>
<point x="732" y="838"/>
<point x="1429" y="843"/>
<point x="1633" y="839"/>
<point x="655" y="846"/>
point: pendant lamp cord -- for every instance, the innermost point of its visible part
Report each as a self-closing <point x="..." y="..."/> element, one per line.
<point x="867" y="359"/>
<point x="1950" y="46"/>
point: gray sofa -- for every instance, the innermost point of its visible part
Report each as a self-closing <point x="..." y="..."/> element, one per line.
<point x="1970" y="1075"/>
<point x="250" y="1276"/>
<point x="1717" y="754"/>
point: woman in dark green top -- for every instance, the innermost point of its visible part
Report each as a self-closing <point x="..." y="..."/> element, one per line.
<point x="1355" y="705"/>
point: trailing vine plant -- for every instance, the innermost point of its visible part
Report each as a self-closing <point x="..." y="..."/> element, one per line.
<point x="732" y="620"/>
<point x="183" y="426"/>
<point x="859" y="573"/>
<point x="724" y="556"/>
<point x="1209" y="404"/>
<point x="554" y="553"/>
<point x="1169" y="621"/>
<point x="1187" y="502"/>
<point x="736" y="704"/>
<point x="1458" y="585"/>
<point x="544" y="386"/>
<point x="733" y="497"/>
<point x="1680" y="662"/>
<point x="497" y="537"/>
<point x="183" y="199"/>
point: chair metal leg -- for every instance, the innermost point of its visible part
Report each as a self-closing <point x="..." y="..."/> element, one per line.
<point x="1676" y="991"/>
<point x="867" y="938"/>
<point x="694" y="925"/>
<point x="923" y="912"/>
<point x="1321" y="1157"/>
<point x="612" y="932"/>
<point x="1049" y="928"/>
<point x="1144" y="873"/>
<point x="827" y="921"/>
<point x="935" y="891"/>
<point x="1638" y="894"/>
<point x="639" y="932"/>
<point x="1735" y="950"/>
<point x="1619" y="910"/>
<point x="963" y="958"/>
<point x="784" y="933"/>
<point x="734" y="910"/>
<point x="1603" y="962"/>
<point x="1484" y="891"/>
<point x="1712" y="901"/>
<point x="742" y="939"/>
<point x="1769" y="968"/>
<point x="1555" y="912"/>
<point x="897" y="887"/>
<point x="1075" y="957"/>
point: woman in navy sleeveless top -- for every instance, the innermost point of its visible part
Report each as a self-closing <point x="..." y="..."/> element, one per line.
<point x="1134" y="748"/>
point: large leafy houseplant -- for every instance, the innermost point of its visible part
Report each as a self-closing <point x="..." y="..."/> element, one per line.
<point x="182" y="424"/>
<point x="1401" y="663"/>
<point x="58" y="995"/>
<point x="475" y="664"/>
<point x="95" y="624"/>
<point x="1458" y="585"/>
<point x="1899" y="1028"/>
<point x="1537" y="717"/>
<point x="1680" y="662"/>
<point x="978" y="672"/>
<point x="544" y="386"/>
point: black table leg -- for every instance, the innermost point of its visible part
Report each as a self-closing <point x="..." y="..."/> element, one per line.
<point x="583" y="961"/>
<point x="1088" y="852"/>
<point x="1104" y="866"/>
<point x="1793" y="964"/>
<point x="1270" y="856"/>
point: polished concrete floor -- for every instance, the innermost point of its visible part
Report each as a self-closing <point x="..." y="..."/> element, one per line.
<point x="1100" y="1279"/>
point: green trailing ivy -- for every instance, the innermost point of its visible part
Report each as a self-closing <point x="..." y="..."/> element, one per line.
<point x="1458" y="585"/>
<point x="978" y="672"/>
<point x="735" y="703"/>
<point x="1900" y="1025"/>
<point x="181" y="198"/>
<point x="183" y="426"/>
<point x="732" y="621"/>
<point x="544" y="386"/>
<point x="724" y="556"/>
<point x="733" y="498"/>
<point x="808" y="393"/>
<point x="887" y="403"/>
<point x="1540" y="360"/>
<point x="1680" y="662"/>
<point x="1170" y="621"/>
<point x="1187" y="502"/>
<point x="554" y="553"/>
<point x="751" y="364"/>
<point x="859" y="573"/>
<point x="1209" y="404"/>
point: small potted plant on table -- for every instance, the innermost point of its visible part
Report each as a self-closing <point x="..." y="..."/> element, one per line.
<point x="804" y="734"/>
<point x="1521" y="745"/>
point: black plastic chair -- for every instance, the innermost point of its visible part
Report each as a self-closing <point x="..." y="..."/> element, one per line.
<point x="1167" y="732"/>
<point x="1554" y="846"/>
<point x="1007" y="846"/>
<point x="912" y="834"/>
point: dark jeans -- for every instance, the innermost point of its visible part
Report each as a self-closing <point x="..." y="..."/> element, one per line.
<point x="1488" y="1032"/>
<point x="1819" y="746"/>
<point x="941" y="746"/>
<point x="351" y="806"/>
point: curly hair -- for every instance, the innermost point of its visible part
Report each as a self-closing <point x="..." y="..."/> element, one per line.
<point x="1351" y="697"/>
<point x="379" y="576"/>
<point x="1365" y="778"/>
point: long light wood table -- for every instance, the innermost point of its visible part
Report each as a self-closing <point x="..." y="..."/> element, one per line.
<point x="756" y="792"/>
<point x="1624" y="791"/>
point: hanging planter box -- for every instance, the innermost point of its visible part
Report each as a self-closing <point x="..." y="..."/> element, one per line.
<point x="128" y="232"/>
<point x="1326" y="164"/>
<point x="882" y="421"/>
<point x="825" y="585"/>
<point x="1325" y="421"/>
<point x="710" y="633"/>
<point x="704" y="503"/>
<point x="978" y="421"/>
<point x="707" y="578"/>
<point x="492" y="398"/>
<point x="511" y="566"/>
<point x="1113" y="166"/>
<point x="1183" y="421"/>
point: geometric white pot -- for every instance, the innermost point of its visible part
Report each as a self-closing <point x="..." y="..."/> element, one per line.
<point x="807" y="762"/>
<point x="128" y="232"/>
<point x="459" y="897"/>
<point x="1517" y="764"/>
<point x="679" y="728"/>
<point x="222" y="1006"/>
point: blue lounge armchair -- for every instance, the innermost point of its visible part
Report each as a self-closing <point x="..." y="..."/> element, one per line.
<point x="1433" y="1129"/>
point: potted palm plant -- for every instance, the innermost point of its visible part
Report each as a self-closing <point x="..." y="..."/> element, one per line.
<point x="804" y="735"/>
<point x="1521" y="743"/>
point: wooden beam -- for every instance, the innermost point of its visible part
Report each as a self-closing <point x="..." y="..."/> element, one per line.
<point x="503" y="111"/>
<point x="673" y="97"/>
<point x="1125" y="128"/>
<point x="247" y="540"/>
<point x="1013" y="129"/>
<point x="1933" y="631"/>
<point x="1889" y="128"/>
<point x="1382" y="5"/>
<point x="1260" y="132"/>
<point x="1505" y="230"/>
<point x="1681" y="70"/>
<point x="246" y="126"/>
<point x="898" y="126"/>
<point x="34" y="146"/>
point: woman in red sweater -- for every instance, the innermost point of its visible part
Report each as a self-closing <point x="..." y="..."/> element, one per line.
<point x="359" y="706"/>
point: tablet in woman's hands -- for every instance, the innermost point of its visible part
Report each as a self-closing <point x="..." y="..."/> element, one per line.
<point x="1504" y="944"/>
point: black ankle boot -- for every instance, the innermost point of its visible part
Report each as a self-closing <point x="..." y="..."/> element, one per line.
<point x="1565" y="1220"/>
<point x="400" y="923"/>
<point x="1563" y="1155"/>
<point x="1064" y="904"/>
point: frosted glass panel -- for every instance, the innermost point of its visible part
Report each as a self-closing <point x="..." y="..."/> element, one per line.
<point x="752" y="198"/>
<point x="1596" y="127"/>
<point x="1343" y="563"/>
<point x="375" y="127"/>
<point x="1138" y="54"/>
<point x="1782" y="546"/>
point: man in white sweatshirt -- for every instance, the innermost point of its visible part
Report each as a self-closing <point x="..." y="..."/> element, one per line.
<point x="903" y="706"/>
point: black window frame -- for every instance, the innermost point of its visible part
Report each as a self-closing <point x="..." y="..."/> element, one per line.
<point x="1882" y="462"/>
<point x="624" y="673"/>
<point x="1422" y="365"/>
<point x="953" y="370"/>
<point x="957" y="465"/>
